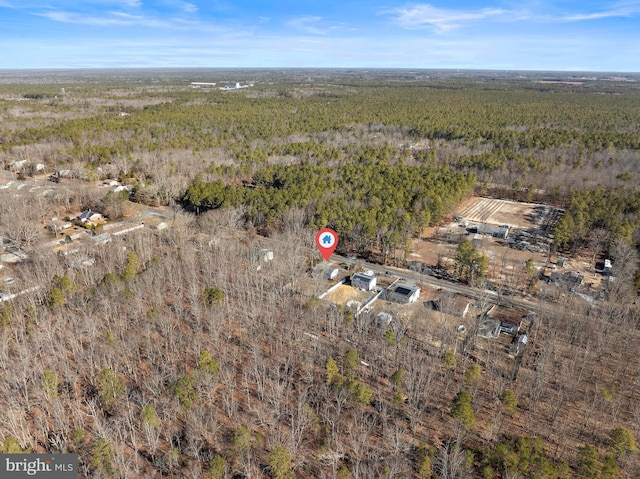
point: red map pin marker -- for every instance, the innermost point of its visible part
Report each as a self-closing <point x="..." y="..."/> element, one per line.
<point x="326" y="241"/>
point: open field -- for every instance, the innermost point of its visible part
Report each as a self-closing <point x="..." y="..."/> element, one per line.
<point x="515" y="214"/>
<point x="440" y="242"/>
<point x="529" y="239"/>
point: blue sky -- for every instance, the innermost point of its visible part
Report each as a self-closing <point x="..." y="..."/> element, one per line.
<point x="505" y="35"/>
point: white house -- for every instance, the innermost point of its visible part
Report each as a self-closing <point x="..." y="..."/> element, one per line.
<point x="363" y="281"/>
<point x="90" y="217"/>
<point x="497" y="231"/>
<point x="17" y="165"/>
<point x="403" y="293"/>
<point x="199" y="84"/>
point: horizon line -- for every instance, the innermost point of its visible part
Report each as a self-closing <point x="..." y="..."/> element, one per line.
<point x="307" y="68"/>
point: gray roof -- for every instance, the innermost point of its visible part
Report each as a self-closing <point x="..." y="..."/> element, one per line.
<point x="363" y="277"/>
<point x="405" y="289"/>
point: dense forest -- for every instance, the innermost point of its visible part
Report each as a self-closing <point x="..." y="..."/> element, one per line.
<point x="369" y="202"/>
<point x="522" y="139"/>
<point x="172" y="355"/>
<point x="174" y="358"/>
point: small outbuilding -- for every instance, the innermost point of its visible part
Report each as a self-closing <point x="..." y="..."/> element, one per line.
<point x="156" y="224"/>
<point x="57" y="226"/>
<point x="101" y="239"/>
<point x="331" y="273"/>
<point x="261" y="255"/>
<point x="382" y="320"/>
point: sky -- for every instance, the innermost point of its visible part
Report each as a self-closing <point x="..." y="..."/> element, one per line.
<point x="501" y="35"/>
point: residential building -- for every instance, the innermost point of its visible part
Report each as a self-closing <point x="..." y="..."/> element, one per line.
<point x="403" y="293"/>
<point x="453" y="304"/>
<point x="363" y="281"/>
<point x="90" y="217"/>
<point x="497" y="231"/>
<point x="489" y="329"/>
<point x="570" y="279"/>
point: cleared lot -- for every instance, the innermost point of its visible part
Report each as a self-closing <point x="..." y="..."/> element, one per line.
<point x="345" y="293"/>
<point x="513" y="213"/>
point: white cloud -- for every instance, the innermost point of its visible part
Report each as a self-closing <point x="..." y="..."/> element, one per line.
<point x="628" y="9"/>
<point x="441" y="19"/>
<point x="180" y="6"/>
<point x="105" y="19"/>
<point x="313" y="25"/>
<point x="520" y="36"/>
<point x="308" y="24"/>
<point x="68" y="4"/>
<point x="230" y="48"/>
<point x="422" y="15"/>
<point x="189" y="7"/>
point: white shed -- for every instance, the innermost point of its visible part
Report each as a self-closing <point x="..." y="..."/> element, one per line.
<point x="331" y="273"/>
